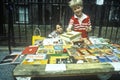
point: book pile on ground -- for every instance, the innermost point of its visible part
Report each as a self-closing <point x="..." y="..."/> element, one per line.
<point x="9" y="59"/>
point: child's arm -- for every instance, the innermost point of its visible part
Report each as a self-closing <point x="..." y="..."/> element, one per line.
<point x="70" y="25"/>
<point x="89" y="28"/>
<point x="69" y="28"/>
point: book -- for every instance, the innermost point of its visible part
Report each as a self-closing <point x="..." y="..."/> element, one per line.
<point x="30" y="50"/>
<point x="58" y="49"/>
<point x="55" y="67"/>
<point x="95" y="52"/>
<point x="71" y="36"/>
<point x="73" y="52"/>
<point x="35" y="59"/>
<point x="52" y="41"/>
<point x="91" y="59"/>
<point x="98" y="40"/>
<point x="113" y="58"/>
<point x="83" y="51"/>
<point x="103" y="59"/>
<point x="9" y="59"/>
<point x="19" y="59"/>
<point x="58" y="58"/>
<point x="42" y="51"/>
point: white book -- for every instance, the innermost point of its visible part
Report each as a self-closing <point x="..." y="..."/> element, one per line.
<point x="55" y="67"/>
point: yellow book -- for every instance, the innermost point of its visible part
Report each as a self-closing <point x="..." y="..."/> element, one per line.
<point x="35" y="59"/>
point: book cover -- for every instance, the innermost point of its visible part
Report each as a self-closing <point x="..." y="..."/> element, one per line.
<point x="98" y="41"/>
<point x="9" y="59"/>
<point x="113" y="58"/>
<point x="19" y="59"/>
<point x="35" y="59"/>
<point x="30" y="50"/>
<point x="55" y="67"/>
<point x="103" y="59"/>
<point x="92" y="46"/>
<point x="95" y="52"/>
<point x="84" y="51"/>
<point x="42" y="51"/>
<point x="91" y="59"/>
<point x="58" y="58"/>
<point x="73" y="52"/>
<point x="58" y="49"/>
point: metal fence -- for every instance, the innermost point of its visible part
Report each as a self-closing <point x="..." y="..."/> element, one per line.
<point x="20" y="17"/>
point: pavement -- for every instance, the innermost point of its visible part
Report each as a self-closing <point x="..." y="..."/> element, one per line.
<point x="6" y="71"/>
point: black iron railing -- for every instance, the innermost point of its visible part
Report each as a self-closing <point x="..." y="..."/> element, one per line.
<point x="22" y="16"/>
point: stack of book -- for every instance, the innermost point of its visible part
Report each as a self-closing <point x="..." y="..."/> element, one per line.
<point x="71" y="36"/>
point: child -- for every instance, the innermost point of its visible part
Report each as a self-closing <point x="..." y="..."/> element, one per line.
<point x="58" y="30"/>
<point x="79" y="21"/>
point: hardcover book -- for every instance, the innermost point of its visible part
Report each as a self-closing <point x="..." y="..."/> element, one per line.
<point x="30" y="50"/>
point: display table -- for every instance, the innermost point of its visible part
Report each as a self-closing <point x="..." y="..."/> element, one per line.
<point x="71" y="70"/>
<point x="61" y="55"/>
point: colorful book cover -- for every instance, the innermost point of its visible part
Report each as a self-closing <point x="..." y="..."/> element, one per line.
<point x="35" y="59"/>
<point x="81" y="59"/>
<point x="84" y="51"/>
<point x="95" y="52"/>
<point x="73" y="52"/>
<point x="92" y="46"/>
<point x="113" y="58"/>
<point x="103" y="59"/>
<point x="98" y="41"/>
<point x="30" y="50"/>
<point x="58" y="49"/>
<point x="42" y="51"/>
<point x="91" y="59"/>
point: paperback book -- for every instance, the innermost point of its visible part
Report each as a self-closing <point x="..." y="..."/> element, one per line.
<point x="113" y="58"/>
<point x="35" y="59"/>
<point x="103" y="59"/>
<point x="30" y="50"/>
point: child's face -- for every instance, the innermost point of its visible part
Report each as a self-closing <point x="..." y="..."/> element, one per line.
<point x="77" y="10"/>
<point x="59" y="29"/>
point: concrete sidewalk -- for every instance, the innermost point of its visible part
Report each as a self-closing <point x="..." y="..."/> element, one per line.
<point x="6" y="71"/>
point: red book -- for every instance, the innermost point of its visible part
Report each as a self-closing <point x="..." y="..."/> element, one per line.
<point x="30" y="50"/>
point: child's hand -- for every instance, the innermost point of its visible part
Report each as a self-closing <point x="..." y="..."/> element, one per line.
<point x="88" y="29"/>
<point x="69" y="30"/>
